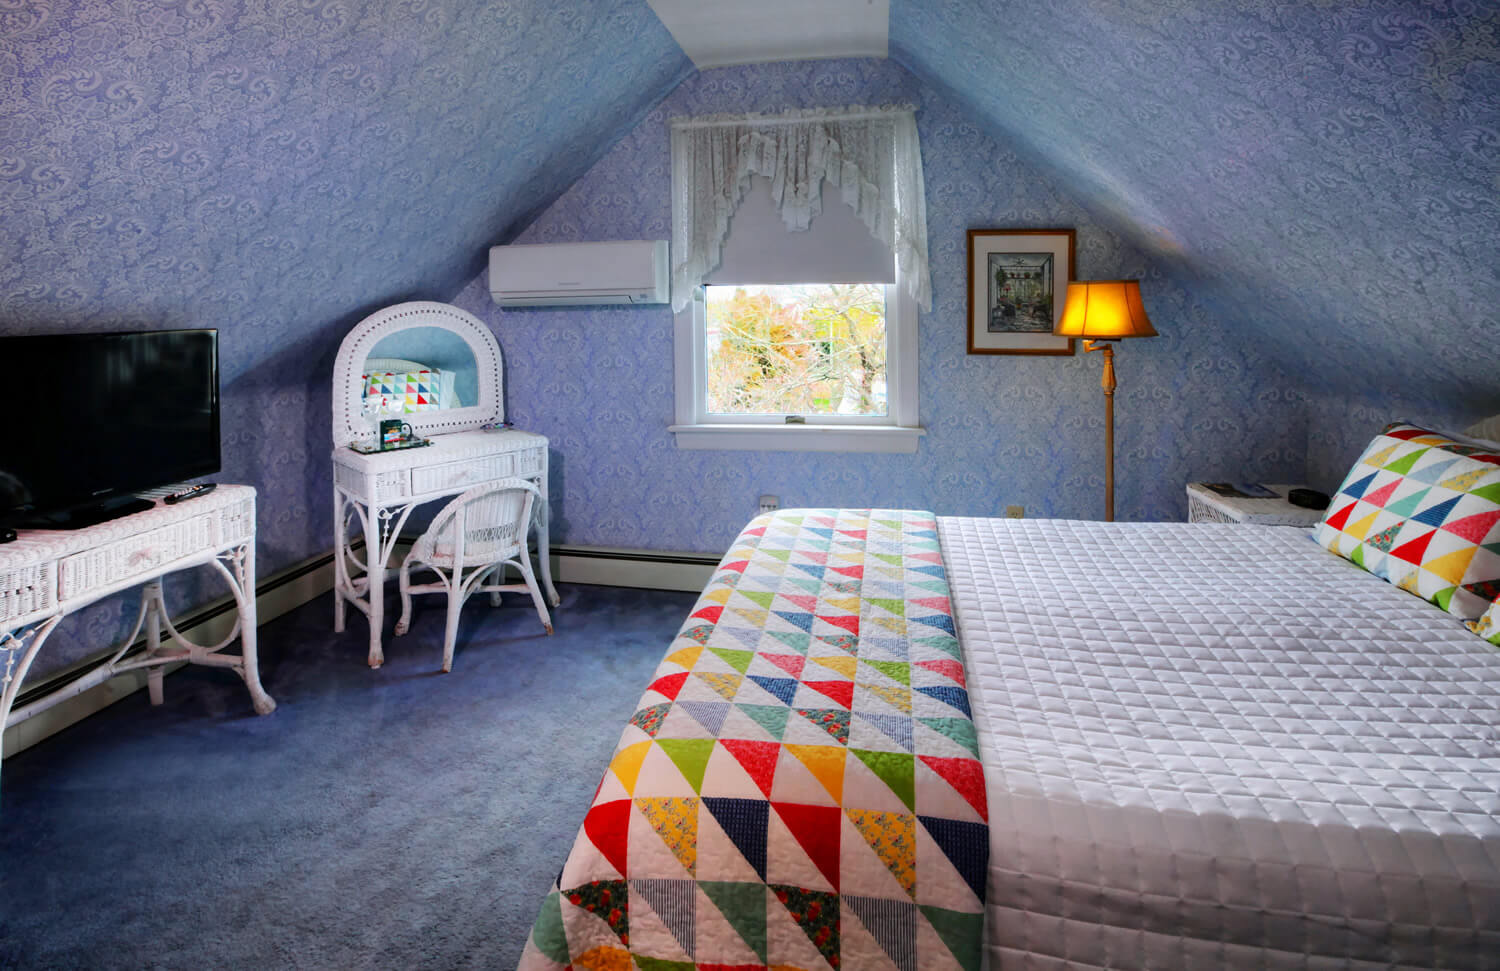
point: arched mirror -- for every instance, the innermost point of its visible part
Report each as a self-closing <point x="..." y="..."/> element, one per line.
<point x="429" y="364"/>
<point x="421" y="369"/>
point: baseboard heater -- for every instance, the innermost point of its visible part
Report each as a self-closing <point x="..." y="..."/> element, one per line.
<point x="645" y="569"/>
<point x="640" y="556"/>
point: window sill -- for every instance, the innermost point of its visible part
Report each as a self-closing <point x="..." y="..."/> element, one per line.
<point x="799" y="438"/>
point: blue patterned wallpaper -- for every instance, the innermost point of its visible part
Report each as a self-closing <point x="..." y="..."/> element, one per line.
<point x="1323" y="176"/>
<point x="1200" y="401"/>
<point x="1340" y="426"/>
<point x="278" y="169"/>
<point x="1308" y="191"/>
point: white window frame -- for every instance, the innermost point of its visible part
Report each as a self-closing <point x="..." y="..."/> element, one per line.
<point x="897" y="431"/>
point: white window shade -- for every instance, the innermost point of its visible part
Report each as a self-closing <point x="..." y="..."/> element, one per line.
<point x="836" y="247"/>
<point x="871" y="154"/>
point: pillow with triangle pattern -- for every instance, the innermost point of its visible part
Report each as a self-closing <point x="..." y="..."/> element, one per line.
<point x="396" y="392"/>
<point x="1488" y="626"/>
<point x="1422" y="512"/>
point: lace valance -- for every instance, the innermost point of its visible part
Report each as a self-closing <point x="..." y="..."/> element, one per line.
<point x="871" y="154"/>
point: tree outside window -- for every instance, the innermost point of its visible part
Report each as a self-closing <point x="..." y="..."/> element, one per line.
<point x="809" y="349"/>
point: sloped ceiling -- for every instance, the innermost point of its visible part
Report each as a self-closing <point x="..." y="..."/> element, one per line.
<point x="1325" y="173"/>
<point x="1322" y="173"/>
<point x="282" y="164"/>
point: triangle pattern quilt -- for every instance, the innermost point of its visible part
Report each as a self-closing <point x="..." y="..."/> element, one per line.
<point x="770" y="803"/>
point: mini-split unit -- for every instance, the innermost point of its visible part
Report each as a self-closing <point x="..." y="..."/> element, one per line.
<point x="578" y="274"/>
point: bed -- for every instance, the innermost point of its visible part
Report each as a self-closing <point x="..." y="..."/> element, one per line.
<point x="1277" y="759"/>
<point x="1202" y="745"/>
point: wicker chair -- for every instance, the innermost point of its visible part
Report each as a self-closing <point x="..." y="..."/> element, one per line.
<point x="482" y="532"/>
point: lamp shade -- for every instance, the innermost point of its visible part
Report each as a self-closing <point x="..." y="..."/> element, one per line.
<point x="1104" y="310"/>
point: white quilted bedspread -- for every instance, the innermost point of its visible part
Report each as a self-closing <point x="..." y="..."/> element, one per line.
<point x="1222" y="746"/>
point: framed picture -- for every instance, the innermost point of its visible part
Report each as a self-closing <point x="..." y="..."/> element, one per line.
<point x="1018" y="279"/>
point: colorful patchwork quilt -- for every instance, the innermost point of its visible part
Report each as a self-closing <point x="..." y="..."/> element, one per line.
<point x="800" y="786"/>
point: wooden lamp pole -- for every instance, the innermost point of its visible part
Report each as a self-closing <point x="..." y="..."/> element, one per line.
<point x="1107" y="382"/>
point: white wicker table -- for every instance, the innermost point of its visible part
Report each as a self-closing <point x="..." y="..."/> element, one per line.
<point x="1207" y="506"/>
<point x="375" y="494"/>
<point x="47" y="574"/>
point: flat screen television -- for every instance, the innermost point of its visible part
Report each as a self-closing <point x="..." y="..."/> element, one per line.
<point x="95" y="418"/>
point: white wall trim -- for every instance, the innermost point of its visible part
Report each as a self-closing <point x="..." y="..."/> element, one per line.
<point x="799" y="438"/>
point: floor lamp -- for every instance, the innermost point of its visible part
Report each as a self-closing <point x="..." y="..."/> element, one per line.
<point x="1102" y="312"/>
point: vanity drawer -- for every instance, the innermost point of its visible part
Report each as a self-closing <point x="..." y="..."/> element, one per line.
<point x="531" y="461"/>
<point x="452" y="475"/>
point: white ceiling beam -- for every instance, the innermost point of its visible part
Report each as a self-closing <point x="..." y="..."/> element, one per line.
<point x="720" y="33"/>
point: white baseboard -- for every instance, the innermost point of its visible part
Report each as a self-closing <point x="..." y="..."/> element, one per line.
<point x="289" y="589"/>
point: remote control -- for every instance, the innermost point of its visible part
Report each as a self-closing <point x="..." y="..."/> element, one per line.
<point x="191" y="492"/>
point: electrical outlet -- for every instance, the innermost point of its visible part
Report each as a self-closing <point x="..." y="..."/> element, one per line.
<point x="770" y="503"/>
<point x="1015" y="512"/>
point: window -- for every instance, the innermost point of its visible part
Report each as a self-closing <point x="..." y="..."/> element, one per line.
<point x="796" y="321"/>
<point x="774" y="365"/>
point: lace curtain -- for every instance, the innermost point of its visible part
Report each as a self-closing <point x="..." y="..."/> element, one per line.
<point x="872" y="155"/>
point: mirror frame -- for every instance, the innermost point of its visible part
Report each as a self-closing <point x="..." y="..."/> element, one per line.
<point x="349" y="423"/>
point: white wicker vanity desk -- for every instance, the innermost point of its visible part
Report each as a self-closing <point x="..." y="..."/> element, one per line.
<point x="47" y="574"/>
<point x="382" y="489"/>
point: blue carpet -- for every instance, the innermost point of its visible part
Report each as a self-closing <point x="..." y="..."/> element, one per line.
<point x="398" y="818"/>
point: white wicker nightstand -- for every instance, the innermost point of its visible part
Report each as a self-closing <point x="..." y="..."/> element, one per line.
<point x="1207" y="506"/>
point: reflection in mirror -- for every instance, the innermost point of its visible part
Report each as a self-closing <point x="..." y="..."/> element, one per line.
<point x="390" y="372"/>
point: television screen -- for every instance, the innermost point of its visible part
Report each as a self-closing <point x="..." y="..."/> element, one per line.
<point x="98" y="417"/>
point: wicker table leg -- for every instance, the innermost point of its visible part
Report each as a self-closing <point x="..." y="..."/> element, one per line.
<point x="242" y="583"/>
<point x="340" y="566"/>
<point x="18" y="648"/>
<point x="543" y="549"/>
<point x="375" y="584"/>
<point x="237" y="565"/>
<point x="153" y="607"/>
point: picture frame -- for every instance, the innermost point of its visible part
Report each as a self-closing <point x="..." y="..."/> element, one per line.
<point x="1018" y="280"/>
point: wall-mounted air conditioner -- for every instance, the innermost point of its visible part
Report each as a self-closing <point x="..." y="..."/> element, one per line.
<point x="574" y="274"/>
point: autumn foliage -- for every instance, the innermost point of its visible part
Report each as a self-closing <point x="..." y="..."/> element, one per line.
<point x="814" y="349"/>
